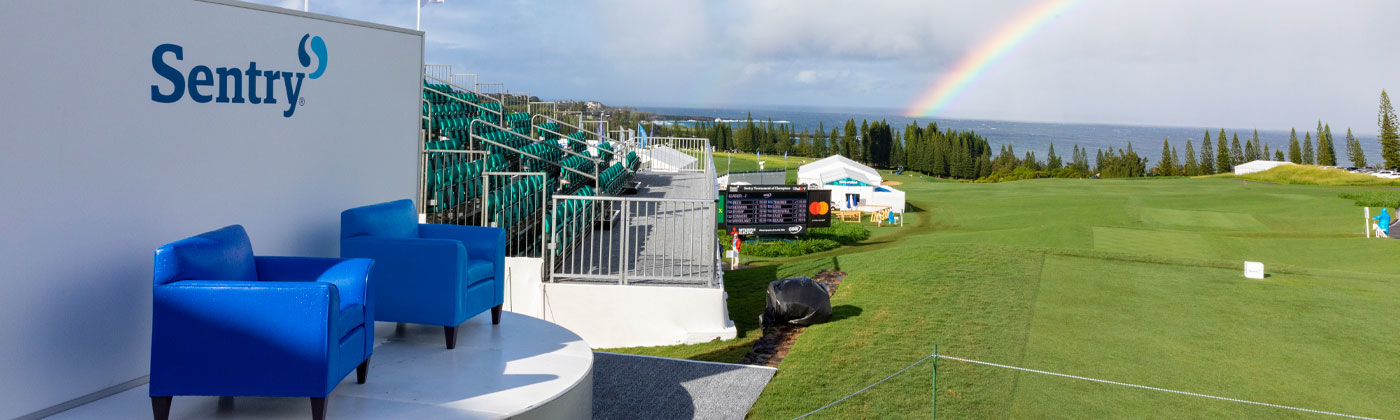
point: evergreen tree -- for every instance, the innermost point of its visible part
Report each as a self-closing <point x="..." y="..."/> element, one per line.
<point x="1278" y="155"/>
<point x="1389" y="133"/>
<point x="863" y="142"/>
<point x="1176" y="164"/>
<point x="1295" y="152"/>
<point x="1236" y="153"/>
<point x="1260" y="150"/>
<point x="1052" y="161"/>
<point x="1250" y="153"/>
<point x="1354" y="152"/>
<point x="834" y="143"/>
<point x="804" y="143"/>
<point x="1165" y="166"/>
<point x="1030" y="162"/>
<point x="1190" y="168"/>
<point x="897" y="150"/>
<point x="1207" y="156"/>
<point x="849" y="148"/>
<point x="1222" y="154"/>
<point x="1308" y="157"/>
<point x="1326" y="154"/>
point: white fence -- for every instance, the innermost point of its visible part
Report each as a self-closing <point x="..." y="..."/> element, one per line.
<point x="633" y="240"/>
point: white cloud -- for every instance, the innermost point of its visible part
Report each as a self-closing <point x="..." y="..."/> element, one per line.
<point x="1188" y="62"/>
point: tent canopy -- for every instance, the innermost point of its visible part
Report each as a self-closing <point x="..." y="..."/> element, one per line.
<point x="837" y="169"/>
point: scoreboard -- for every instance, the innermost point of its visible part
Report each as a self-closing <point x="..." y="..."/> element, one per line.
<point x="775" y="209"/>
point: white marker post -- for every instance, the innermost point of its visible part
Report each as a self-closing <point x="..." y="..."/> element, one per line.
<point x="1367" y="221"/>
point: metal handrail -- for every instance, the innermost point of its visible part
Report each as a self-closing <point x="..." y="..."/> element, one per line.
<point x="571" y="140"/>
<point x="472" y="129"/>
<point x="605" y="126"/>
<point x="459" y="87"/>
<point x="594" y="160"/>
<point x="576" y="128"/>
<point x="422" y="158"/>
<point x="500" y="116"/>
<point x="544" y="200"/>
<point x="529" y="106"/>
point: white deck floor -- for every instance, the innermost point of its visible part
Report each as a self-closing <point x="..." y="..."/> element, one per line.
<point x="524" y="367"/>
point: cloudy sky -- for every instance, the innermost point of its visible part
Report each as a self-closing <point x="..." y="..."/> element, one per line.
<point x="1231" y="63"/>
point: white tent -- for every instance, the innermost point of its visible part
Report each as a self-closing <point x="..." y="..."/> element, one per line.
<point x="1258" y="166"/>
<point x="837" y="170"/>
<point x="853" y="186"/>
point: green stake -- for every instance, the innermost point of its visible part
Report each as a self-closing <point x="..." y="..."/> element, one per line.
<point x="933" y="408"/>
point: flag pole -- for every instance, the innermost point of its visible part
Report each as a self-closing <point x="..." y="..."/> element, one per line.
<point x="418" y="22"/>
<point x="306" y="5"/>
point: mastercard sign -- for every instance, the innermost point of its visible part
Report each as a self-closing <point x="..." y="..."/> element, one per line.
<point x="774" y="209"/>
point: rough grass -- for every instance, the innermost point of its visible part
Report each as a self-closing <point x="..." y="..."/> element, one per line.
<point x="1313" y="175"/>
<point x="1136" y="281"/>
<point x="1389" y="199"/>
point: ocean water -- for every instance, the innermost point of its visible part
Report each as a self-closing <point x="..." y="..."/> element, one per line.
<point x="1034" y="136"/>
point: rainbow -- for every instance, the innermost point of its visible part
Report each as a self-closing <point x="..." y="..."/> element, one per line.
<point x="976" y="62"/>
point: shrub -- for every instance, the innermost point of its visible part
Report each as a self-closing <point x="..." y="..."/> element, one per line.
<point x="1373" y="198"/>
<point x="1022" y="172"/>
<point x="816" y="240"/>
<point x="789" y="248"/>
<point x="841" y="232"/>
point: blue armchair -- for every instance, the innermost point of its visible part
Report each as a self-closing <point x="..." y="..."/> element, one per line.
<point x="227" y="323"/>
<point x="426" y="273"/>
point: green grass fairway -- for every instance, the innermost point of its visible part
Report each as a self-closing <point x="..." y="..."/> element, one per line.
<point x="1134" y="281"/>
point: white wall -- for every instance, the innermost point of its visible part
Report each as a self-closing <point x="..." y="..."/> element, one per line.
<point x="94" y="174"/>
<point x="610" y="315"/>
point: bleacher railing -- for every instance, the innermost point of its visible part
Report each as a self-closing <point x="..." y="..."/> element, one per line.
<point x="477" y="138"/>
<point x="539" y="132"/>
<point x="516" y="202"/>
<point x="481" y="110"/>
<point x="633" y="241"/>
<point x="534" y="120"/>
<point x="654" y="157"/>
<point x="438" y="71"/>
<point x="447" y="192"/>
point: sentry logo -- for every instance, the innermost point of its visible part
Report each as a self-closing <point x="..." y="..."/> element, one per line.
<point x="231" y="80"/>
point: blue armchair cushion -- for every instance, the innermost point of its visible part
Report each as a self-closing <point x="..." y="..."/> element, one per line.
<point x="223" y="254"/>
<point x="479" y="271"/>
<point x="394" y="219"/>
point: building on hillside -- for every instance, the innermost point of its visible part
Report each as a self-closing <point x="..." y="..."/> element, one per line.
<point x="853" y="186"/>
<point x="1258" y="166"/>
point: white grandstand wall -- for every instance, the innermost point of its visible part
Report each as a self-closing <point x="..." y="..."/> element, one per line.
<point x="95" y="175"/>
<point x="614" y="315"/>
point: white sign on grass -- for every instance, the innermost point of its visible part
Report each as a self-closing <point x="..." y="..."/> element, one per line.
<point x="1253" y="270"/>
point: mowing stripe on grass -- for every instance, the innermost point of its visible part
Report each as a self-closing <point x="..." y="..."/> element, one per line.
<point x="1103" y="381"/>
<point x="936" y="356"/>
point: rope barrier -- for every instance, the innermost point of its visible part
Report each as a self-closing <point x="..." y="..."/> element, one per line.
<point x="1102" y="381"/>
<point x="868" y="387"/>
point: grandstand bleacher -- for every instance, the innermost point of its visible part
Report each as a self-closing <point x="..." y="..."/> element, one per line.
<point x="467" y="138"/>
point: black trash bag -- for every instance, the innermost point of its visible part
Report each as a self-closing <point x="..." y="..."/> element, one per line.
<point x="797" y="301"/>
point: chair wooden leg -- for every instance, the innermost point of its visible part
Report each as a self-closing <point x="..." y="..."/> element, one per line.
<point x="318" y="408"/>
<point x="496" y="315"/>
<point x="451" y="333"/>
<point x="160" y="407"/>
<point x="362" y="371"/>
